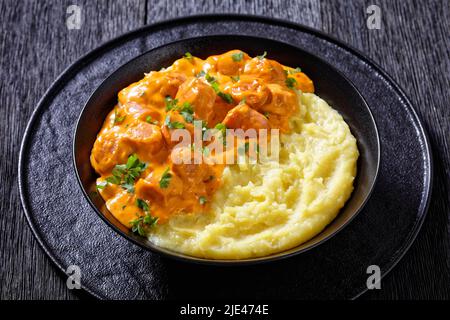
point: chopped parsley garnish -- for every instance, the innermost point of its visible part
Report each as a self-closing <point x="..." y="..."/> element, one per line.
<point x="174" y="124"/>
<point x="149" y="119"/>
<point x="210" y="78"/>
<point x="241" y="102"/>
<point x="223" y="129"/>
<point x="202" y="200"/>
<point x="187" y="112"/>
<point x="117" y="117"/>
<point x="187" y="107"/>
<point x="225" y="96"/>
<point x="200" y="74"/>
<point x="262" y="56"/>
<point x="290" y="82"/>
<point x="296" y="70"/>
<point x="101" y="185"/>
<point x="126" y="174"/>
<point x="235" y="78"/>
<point x="237" y="56"/>
<point x="142" y="205"/>
<point x="188" y="117"/>
<point x="165" y="179"/>
<point x="215" y="86"/>
<point x="142" y="224"/>
<point x="188" y="56"/>
<point x="170" y="103"/>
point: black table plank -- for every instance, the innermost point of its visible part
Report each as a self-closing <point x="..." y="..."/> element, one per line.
<point x="413" y="47"/>
<point x="35" y="46"/>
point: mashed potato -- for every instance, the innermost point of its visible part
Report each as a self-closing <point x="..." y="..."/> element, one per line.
<point x="267" y="208"/>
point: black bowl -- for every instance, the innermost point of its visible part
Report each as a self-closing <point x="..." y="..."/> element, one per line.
<point x="330" y="85"/>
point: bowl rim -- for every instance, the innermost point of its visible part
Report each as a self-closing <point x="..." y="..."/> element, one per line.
<point x="227" y="262"/>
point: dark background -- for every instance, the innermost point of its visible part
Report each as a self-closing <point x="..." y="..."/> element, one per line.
<point x="413" y="46"/>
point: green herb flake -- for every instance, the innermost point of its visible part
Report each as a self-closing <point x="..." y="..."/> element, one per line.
<point x="187" y="111"/>
<point x="142" y="204"/>
<point x="290" y="82"/>
<point x="117" y="117"/>
<point x="292" y="71"/>
<point x="200" y="74"/>
<point x="235" y="78"/>
<point x="101" y="185"/>
<point x="126" y="174"/>
<point x="188" y="56"/>
<point x="187" y="107"/>
<point x="237" y="56"/>
<point x="202" y="200"/>
<point x="188" y="117"/>
<point x="223" y="129"/>
<point x="262" y="56"/>
<point x="150" y="120"/>
<point x="143" y="224"/>
<point x="131" y="162"/>
<point x="173" y="125"/>
<point x="241" y="102"/>
<point x="165" y="179"/>
<point x="226" y="97"/>
<point x="171" y="103"/>
<point x="215" y="86"/>
<point x="210" y="78"/>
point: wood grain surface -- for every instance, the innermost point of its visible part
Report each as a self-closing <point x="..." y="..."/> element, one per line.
<point x="413" y="46"/>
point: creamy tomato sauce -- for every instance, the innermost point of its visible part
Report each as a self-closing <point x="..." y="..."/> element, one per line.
<point x="132" y="152"/>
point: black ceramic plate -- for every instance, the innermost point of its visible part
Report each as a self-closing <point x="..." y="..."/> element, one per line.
<point x="71" y="233"/>
<point x="329" y="83"/>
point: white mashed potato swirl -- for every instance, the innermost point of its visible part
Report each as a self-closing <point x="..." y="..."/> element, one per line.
<point x="267" y="208"/>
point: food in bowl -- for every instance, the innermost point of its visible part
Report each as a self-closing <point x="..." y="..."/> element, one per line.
<point x="231" y="157"/>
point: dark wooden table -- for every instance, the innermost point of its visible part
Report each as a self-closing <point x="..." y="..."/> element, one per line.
<point x="413" y="46"/>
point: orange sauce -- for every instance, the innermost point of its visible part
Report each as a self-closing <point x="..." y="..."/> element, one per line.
<point x="232" y="89"/>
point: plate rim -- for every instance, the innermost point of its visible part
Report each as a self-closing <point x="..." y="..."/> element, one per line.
<point x="50" y="93"/>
